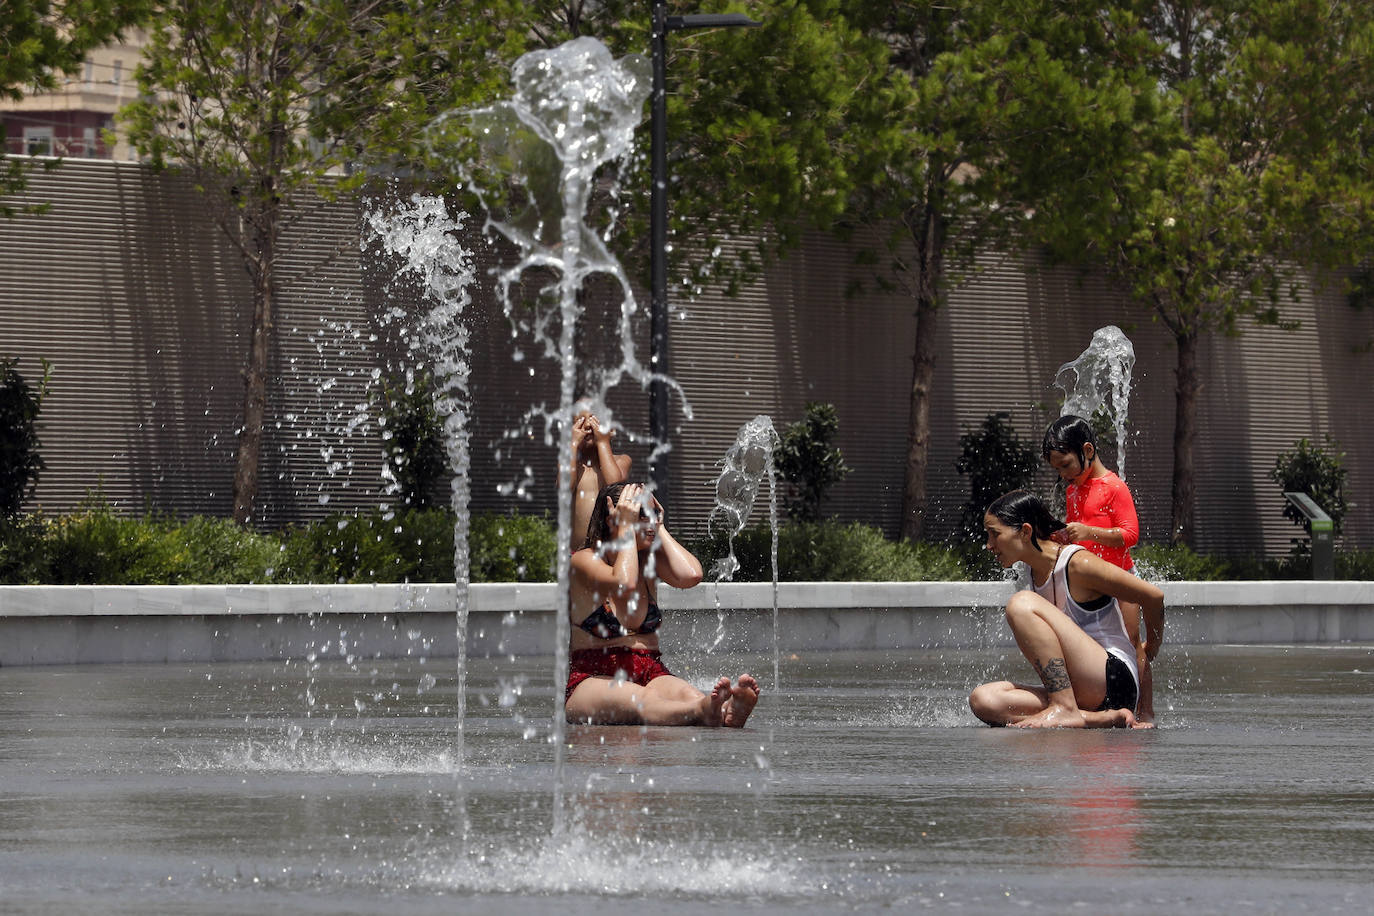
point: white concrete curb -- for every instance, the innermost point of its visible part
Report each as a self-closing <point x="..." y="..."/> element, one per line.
<point x="100" y="624"/>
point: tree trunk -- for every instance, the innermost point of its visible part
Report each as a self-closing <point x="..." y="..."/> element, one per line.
<point x="918" y="421"/>
<point x="264" y="222"/>
<point x="254" y="391"/>
<point x="928" y="234"/>
<point x="1187" y="387"/>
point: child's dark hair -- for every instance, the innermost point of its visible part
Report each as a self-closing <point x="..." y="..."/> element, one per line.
<point x="599" y="524"/>
<point x="1069" y="434"/>
<point x="1018" y="507"/>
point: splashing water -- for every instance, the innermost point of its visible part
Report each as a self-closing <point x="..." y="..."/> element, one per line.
<point x="745" y="466"/>
<point x="424" y="237"/>
<point x="574" y="110"/>
<point x="646" y="866"/>
<point x="1101" y="380"/>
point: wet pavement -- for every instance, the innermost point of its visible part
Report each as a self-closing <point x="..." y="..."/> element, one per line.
<point x="862" y="783"/>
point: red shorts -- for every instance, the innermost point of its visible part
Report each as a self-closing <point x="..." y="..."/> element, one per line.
<point x="640" y="665"/>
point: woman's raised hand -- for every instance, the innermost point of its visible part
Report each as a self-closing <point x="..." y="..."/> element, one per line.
<point x="625" y="513"/>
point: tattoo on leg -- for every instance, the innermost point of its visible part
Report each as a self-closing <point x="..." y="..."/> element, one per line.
<point x="1053" y="674"/>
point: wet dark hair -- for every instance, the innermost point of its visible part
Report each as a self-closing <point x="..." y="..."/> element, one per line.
<point x="1021" y="506"/>
<point x="599" y="524"/>
<point x="1069" y="434"/>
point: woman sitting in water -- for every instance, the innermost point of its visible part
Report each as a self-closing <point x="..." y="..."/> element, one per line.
<point x="615" y="675"/>
<point x="1069" y="627"/>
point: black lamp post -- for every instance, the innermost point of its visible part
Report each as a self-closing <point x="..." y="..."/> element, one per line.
<point x="658" y="220"/>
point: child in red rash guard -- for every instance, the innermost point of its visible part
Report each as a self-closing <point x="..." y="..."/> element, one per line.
<point x="1101" y="517"/>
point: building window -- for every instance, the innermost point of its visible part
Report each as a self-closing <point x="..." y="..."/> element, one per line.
<point x="90" y="72"/>
<point x="38" y="141"/>
<point x="118" y="71"/>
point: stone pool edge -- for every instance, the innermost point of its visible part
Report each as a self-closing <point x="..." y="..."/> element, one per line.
<point x="80" y="624"/>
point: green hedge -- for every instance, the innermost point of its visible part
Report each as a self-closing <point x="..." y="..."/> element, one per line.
<point x="99" y="546"/>
<point x="831" y="551"/>
<point x="1173" y="563"/>
<point x="1170" y="563"/>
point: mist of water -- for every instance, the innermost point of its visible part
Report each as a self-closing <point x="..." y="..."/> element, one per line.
<point x="423" y="238"/>
<point x="1100" y="380"/>
<point x="745" y="467"/>
<point x="572" y="115"/>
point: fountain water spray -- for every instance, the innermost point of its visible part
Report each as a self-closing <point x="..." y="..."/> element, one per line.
<point x="574" y="111"/>
<point x="745" y="466"/>
<point x="424" y="236"/>
<point x="1101" y="380"/>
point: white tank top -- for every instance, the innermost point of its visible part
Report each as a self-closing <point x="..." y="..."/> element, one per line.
<point x="1105" y="625"/>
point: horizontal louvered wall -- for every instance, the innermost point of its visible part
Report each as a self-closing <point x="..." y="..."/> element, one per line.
<point x="795" y="336"/>
<point x="142" y="307"/>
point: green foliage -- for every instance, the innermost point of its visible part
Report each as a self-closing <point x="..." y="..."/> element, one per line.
<point x="413" y="438"/>
<point x="764" y="123"/>
<point x="417" y="546"/>
<point x="513" y="548"/>
<point x="404" y="546"/>
<point x="996" y="461"/>
<point x="20" y="462"/>
<point x="1174" y="196"/>
<point x="22" y="554"/>
<point x="262" y="101"/>
<point x="1317" y="470"/>
<point x="1178" y="562"/>
<point x="831" y="551"/>
<point x="265" y="105"/>
<point x="1355" y="565"/>
<point x="99" y="546"/>
<point x="806" y="460"/>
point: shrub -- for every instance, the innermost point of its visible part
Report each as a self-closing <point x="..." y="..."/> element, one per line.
<point x="832" y="551"/>
<point x="996" y="461"/>
<point x="413" y="437"/>
<point x="20" y="462"/>
<point x="807" y="461"/>
<point x="512" y="548"/>
<point x="219" y="551"/>
<point x="417" y="546"/>
<point x="23" y="555"/>
<point x="98" y="546"/>
<point x="1179" y="562"/>
<point x="1318" y="471"/>
<point x="1355" y="564"/>
<point x="408" y="545"/>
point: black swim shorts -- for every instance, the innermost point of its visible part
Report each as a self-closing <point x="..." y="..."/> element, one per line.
<point x="1122" y="692"/>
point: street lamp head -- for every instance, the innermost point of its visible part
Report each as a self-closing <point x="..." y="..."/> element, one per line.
<point x="709" y="21"/>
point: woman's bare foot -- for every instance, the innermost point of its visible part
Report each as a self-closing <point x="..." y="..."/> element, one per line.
<point x="741" y="701"/>
<point x="1111" y="718"/>
<point x="713" y="712"/>
<point x="1053" y="716"/>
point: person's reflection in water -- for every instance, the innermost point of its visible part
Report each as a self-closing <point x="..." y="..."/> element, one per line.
<point x="1089" y="800"/>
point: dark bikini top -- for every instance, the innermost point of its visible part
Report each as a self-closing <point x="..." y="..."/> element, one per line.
<point x="602" y="624"/>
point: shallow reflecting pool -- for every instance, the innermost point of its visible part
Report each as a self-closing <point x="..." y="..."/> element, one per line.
<point x="862" y="783"/>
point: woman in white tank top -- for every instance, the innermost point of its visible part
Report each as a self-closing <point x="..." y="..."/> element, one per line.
<point x="1068" y="625"/>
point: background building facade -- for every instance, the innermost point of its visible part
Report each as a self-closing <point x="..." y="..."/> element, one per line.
<point x="77" y="120"/>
